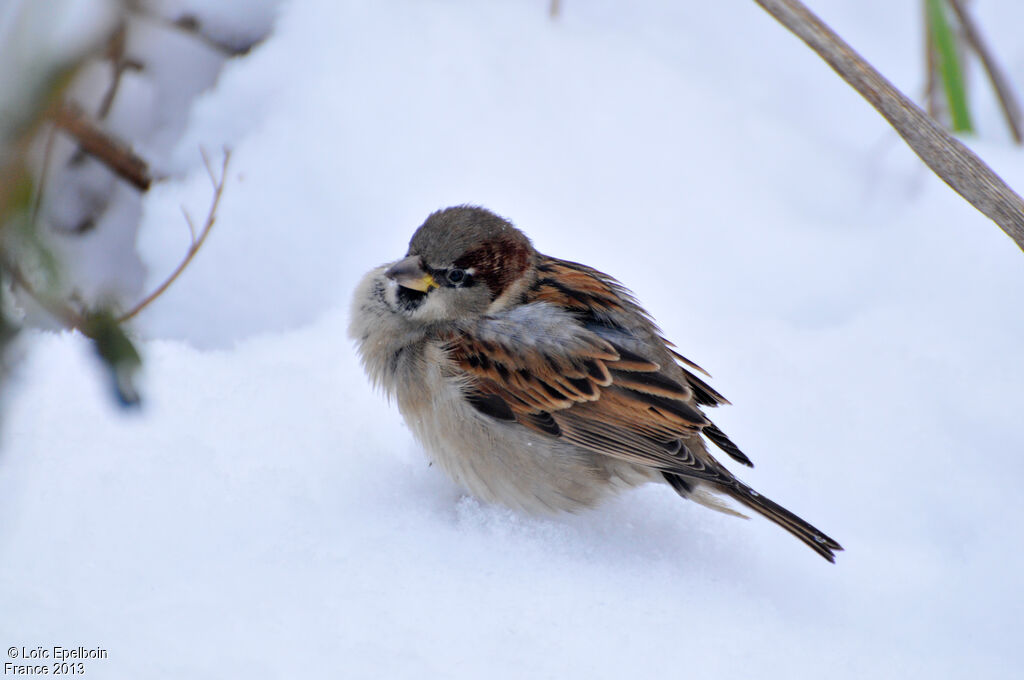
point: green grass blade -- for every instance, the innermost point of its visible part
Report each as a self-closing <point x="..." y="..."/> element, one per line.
<point x="949" y="64"/>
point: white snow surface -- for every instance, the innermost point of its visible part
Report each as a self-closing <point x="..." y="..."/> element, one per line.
<point x="265" y="514"/>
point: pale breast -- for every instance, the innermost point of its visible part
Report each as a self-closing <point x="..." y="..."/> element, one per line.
<point x="496" y="461"/>
<point x="503" y="462"/>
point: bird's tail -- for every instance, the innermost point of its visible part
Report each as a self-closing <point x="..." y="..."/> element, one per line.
<point x="816" y="539"/>
<point x="694" y="490"/>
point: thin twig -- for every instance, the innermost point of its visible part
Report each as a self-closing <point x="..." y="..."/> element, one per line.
<point x="63" y="313"/>
<point x="120" y="64"/>
<point x="191" y="225"/>
<point x="115" y="53"/>
<point x="1009" y="104"/>
<point x="112" y="152"/>
<point x="37" y="203"/>
<point x="931" y="86"/>
<point x="197" y="243"/>
<point x="953" y="162"/>
<point x="189" y="23"/>
<point x="209" y="168"/>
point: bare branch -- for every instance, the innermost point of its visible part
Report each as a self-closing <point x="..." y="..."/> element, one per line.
<point x="112" y="152"/>
<point x="116" y="55"/>
<point x="1011" y="109"/>
<point x="191" y="226"/>
<point x="197" y="243"/>
<point x="209" y="168"/>
<point x="57" y="309"/>
<point x="953" y="162"/>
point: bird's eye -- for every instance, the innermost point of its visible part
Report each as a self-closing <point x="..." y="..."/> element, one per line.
<point x="456" y="276"/>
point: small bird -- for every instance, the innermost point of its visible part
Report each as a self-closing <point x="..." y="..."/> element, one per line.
<point x="540" y="383"/>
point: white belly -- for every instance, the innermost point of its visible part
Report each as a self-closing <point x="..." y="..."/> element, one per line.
<point x="505" y="462"/>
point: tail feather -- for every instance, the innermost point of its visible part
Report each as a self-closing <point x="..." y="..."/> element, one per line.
<point x="816" y="539"/>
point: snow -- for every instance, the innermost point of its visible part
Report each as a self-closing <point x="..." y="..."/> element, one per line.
<point x="266" y="514"/>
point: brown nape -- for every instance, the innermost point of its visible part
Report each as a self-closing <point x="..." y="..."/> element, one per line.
<point x="497" y="263"/>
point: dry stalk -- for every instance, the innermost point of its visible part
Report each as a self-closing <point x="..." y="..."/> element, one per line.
<point x="953" y="162"/>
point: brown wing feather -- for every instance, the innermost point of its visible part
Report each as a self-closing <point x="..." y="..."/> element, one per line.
<point x="570" y="381"/>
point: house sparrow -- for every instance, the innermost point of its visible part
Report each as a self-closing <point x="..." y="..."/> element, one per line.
<point x="541" y="383"/>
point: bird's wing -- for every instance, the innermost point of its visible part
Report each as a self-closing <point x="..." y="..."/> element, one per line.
<point x="605" y="304"/>
<point x="537" y="365"/>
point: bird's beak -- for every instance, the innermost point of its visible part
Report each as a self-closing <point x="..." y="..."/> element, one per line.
<point x="409" y="274"/>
